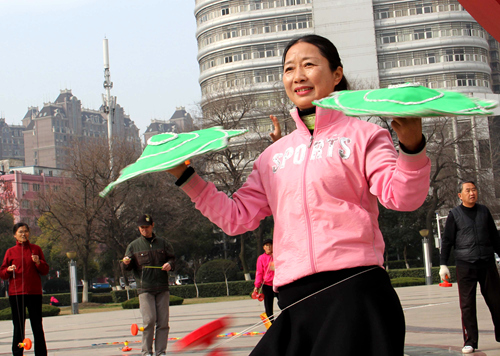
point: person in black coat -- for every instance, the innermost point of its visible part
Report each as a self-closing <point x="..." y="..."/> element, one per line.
<point x="471" y="231"/>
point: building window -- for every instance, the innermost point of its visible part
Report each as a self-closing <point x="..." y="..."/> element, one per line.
<point x="26" y="187"/>
<point x="36" y="187"/>
<point x="25" y="204"/>
<point x="225" y="11"/>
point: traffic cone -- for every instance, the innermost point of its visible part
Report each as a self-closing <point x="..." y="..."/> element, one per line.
<point x="265" y="320"/>
<point x="445" y="283"/>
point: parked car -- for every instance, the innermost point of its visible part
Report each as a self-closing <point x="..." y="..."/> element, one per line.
<point x="100" y="285"/>
<point x="182" y="280"/>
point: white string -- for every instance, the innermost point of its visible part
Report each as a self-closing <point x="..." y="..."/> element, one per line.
<point x="291" y="305"/>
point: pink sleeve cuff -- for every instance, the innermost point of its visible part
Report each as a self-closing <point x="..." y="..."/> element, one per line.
<point x="194" y="186"/>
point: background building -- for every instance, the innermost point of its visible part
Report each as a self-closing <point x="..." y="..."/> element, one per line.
<point x="23" y="189"/>
<point x="381" y="42"/>
<point x="180" y="121"/>
<point x="12" y="141"/>
<point x="48" y="133"/>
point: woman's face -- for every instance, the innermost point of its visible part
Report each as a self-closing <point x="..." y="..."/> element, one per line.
<point x="307" y="75"/>
<point x="22" y="234"/>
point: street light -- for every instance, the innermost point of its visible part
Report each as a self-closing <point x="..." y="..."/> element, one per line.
<point x="427" y="258"/>
<point x="72" y="282"/>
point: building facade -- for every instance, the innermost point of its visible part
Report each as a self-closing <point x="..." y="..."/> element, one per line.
<point x="381" y="42"/>
<point x="49" y="132"/>
<point x="180" y="121"/>
<point x="19" y="193"/>
<point x="12" y="141"/>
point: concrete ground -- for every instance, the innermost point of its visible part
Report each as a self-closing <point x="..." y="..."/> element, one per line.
<point x="432" y="322"/>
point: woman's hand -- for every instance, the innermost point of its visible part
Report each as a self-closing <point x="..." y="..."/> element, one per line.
<point x="177" y="171"/>
<point x="409" y="131"/>
<point x="276" y="135"/>
<point x="11" y="268"/>
<point x="126" y="260"/>
<point x="35" y="259"/>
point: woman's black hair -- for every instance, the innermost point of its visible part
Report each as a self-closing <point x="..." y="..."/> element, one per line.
<point x="327" y="50"/>
<point x="18" y="225"/>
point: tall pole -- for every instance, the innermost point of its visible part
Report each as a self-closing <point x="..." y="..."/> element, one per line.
<point x="108" y="101"/>
<point x="427" y="257"/>
<point x="73" y="287"/>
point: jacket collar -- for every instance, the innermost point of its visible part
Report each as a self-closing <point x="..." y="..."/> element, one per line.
<point x="23" y="244"/>
<point x="324" y="118"/>
<point x="153" y="237"/>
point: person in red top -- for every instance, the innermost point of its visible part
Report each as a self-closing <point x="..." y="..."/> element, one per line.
<point x="23" y="265"/>
<point x="264" y="277"/>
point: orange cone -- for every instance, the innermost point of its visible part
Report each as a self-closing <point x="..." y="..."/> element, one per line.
<point x="445" y="283"/>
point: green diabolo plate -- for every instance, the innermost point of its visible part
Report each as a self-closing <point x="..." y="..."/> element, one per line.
<point x="405" y="100"/>
<point x="168" y="150"/>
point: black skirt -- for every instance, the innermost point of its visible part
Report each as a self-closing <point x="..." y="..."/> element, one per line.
<point x="359" y="316"/>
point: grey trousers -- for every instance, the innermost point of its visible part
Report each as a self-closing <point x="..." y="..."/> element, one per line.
<point x="154" y="310"/>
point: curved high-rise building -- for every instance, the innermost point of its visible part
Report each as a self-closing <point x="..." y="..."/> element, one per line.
<point x="434" y="42"/>
<point x="381" y="42"/>
<point x="240" y="42"/>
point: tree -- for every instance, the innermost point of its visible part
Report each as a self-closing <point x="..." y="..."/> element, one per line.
<point x="229" y="168"/>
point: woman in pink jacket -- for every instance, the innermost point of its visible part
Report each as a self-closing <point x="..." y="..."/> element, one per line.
<point x="321" y="183"/>
<point x="264" y="277"/>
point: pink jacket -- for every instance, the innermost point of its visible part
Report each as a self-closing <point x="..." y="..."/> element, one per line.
<point x="322" y="191"/>
<point x="264" y="274"/>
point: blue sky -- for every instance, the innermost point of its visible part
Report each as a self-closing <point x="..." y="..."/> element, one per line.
<point x="48" y="45"/>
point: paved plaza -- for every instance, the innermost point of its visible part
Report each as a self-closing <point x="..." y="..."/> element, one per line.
<point x="432" y="322"/>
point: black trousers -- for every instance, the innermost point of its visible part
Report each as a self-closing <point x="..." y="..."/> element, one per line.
<point x="18" y="305"/>
<point x="489" y="281"/>
<point x="361" y="315"/>
<point x="269" y="300"/>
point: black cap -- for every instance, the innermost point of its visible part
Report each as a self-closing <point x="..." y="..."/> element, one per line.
<point x="145" y="220"/>
<point x="267" y="241"/>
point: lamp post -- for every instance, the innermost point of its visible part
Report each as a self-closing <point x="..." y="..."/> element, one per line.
<point x="427" y="257"/>
<point x="72" y="282"/>
<point x="438" y="218"/>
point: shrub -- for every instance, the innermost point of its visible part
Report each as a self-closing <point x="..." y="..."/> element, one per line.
<point x="420" y="273"/>
<point x="134" y="302"/>
<point x="102" y="290"/>
<point x="131" y="303"/>
<point x="47" y="310"/>
<point x="407" y="281"/>
<point x="56" y="285"/>
<point x="213" y="289"/>
<point x="216" y="270"/>
<point x="120" y="296"/>
<point x="63" y="298"/>
<point x="102" y="298"/>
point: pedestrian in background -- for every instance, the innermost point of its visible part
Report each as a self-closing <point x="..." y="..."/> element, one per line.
<point x="142" y="255"/>
<point x="470" y="229"/>
<point x="23" y="265"/>
<point x="264" y="276"/>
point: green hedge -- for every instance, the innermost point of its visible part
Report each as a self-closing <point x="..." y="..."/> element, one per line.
<point x="134" y="302"/>
<point x="102" y="290"/>
<point x="120" y="296"/>
<point x="407" y="281"/>
<point x="102" y="298"/>
<point x="420" y="273"/>
<point x="63" y="298"/>
<point x="47" y="310"/>
<point x="213" y="289"/>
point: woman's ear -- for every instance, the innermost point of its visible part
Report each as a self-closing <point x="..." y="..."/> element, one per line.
<point x="337" y="75"/>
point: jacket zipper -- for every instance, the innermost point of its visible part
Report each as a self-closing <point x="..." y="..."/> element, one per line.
<point x="306" y="208"/>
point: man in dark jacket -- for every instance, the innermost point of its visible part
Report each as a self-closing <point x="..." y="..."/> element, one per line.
<point x="151" y="258"/>
<point x="470" y="229"/>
